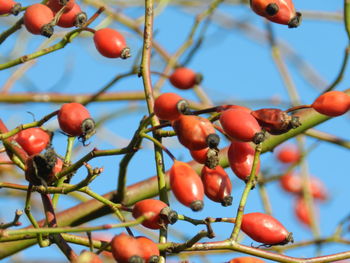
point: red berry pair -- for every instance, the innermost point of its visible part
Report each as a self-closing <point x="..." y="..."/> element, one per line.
<point x="127" y="249"/>
<point x="278" y="11"/>
<point x="292" y="183"/>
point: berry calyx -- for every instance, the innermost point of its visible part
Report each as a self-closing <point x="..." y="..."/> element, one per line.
<point x="111" y="44"/>
<point x="184" y="78"/>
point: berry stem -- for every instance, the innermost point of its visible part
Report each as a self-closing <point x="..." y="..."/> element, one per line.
<point x="155" y="141"/>
<point x="244" y="198"/>
<point x="300" y="107"/>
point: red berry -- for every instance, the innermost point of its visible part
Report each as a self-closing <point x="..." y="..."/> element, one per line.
<point x="153" y="206"/>
<point x="73" y="17"/>
<point x="217" y="185"/>
<point x="246" y="260"/>
<point x="75" y="120"/>
<point x="193" y="131"/>
<point x="292" y="184"/>
<point x="288" y="154"/>
<point x="186" y="185"/>
<point x="149" y="249"/>
<point x="332" y="103"/>
<point x="302" y="211"/>
<point x="234" y="107"/>
<point x="9" y="7"/>
<point x="240" y="125"/>
<point x="111" y="44"/>
<point x="126" y="249"/>
<point x="278" y="11"/>
<point x="33" y="140"/>
<point x="37" y="19"/>
<point x="184" y="78"/>
<point x="88" y="257"/>
<point x="241" y="157"/>
<point x="56" y="5"/>
<point x="265" y="229"/>
<point x="169" y="106"/>
<point x="200" y="156"/>
<point x="275" y="121"/>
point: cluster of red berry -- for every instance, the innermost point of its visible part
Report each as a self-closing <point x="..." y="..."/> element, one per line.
<point x="40" y="19"/>
<point x="41" y="168"/>
<point x="291" y="182"/>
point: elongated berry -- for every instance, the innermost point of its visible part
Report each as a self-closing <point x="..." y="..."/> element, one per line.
<point x="217" y="185"/>
<point x="333" y="103"/>
<point x="265" y="229"/>
<point x="186" y="185"/>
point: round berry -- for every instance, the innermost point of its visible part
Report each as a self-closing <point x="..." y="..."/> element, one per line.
<point x="33" y="140"/>
<point x="56" y="5"/>
<point x="73" y="17"/>
<point x="184" y="78"/>
<point x="75" y="120"/>
<point x="169" y="106"/>
<point x="153" y="206"/>
<point x="111" y="44"/>
<point x="37" y="19"/>
<point x="288" y="154"/>
<point x="193" y="131"/>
